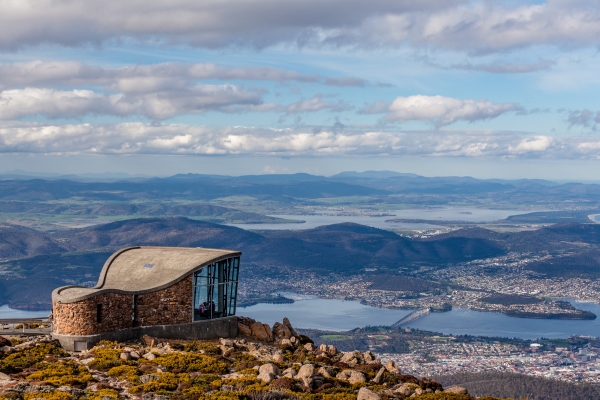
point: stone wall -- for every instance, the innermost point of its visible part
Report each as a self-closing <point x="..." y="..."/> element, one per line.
<point x="80" y="318"/>
<point x="172" y="305"/>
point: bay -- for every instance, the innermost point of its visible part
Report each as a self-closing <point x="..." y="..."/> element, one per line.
<point x="8" y="313"/>
<point x="443" y="214"/>
<point x="338" y="315"/>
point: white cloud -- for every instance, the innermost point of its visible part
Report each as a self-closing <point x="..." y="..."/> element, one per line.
<point x="438" y="109"/>
<point x="19" y="103"/>
<point x="179" y="139"/>
<point x="481" y="26"/>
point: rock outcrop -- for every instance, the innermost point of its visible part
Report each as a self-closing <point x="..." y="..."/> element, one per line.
<point x="284" y="363"/>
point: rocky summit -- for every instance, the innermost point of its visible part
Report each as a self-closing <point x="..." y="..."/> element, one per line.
<point x="263" y="363"/>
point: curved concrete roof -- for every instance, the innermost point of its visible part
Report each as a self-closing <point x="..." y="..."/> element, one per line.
<point x="136" y="270"/>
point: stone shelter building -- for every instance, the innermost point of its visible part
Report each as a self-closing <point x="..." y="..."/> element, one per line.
<point x="171" y="292"/>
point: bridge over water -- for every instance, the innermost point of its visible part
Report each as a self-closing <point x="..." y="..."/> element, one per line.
<point x="416" y="314"/>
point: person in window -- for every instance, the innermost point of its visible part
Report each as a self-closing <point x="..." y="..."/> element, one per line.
<point x="205" y="310"/>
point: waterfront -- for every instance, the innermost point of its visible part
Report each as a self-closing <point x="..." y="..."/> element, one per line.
<point x="310" y="312"/>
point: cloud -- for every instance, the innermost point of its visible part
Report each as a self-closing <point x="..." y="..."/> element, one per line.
<point x="478" y="27"/>
<point x="180" y="139"/>
<point x="494" y="67"/>
<point x="148" y="77"/>
<point x="19" y="103"/>
<point x="149" y="100"/>
<point x="585" y="118"/>
<point x="438" y="109"/>
<point x="345" y="81"/>
<point x="316" y="104"/>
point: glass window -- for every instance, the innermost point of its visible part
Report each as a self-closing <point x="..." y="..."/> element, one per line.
<point x="215" y="289"/>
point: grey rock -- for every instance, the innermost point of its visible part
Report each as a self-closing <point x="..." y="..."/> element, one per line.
<point x="149" y="378"/>
<point x="149" y="356"/>
<point x="367" y="394"/>
<point x="266" y="377"/>
<point x="269" y="368"/>
<point x="456" y="390"/>
<point x="379" y="375"/>
<point x="305" y="374"/>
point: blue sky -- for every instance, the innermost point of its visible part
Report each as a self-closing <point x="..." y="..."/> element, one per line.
<point x="488" y="89"/>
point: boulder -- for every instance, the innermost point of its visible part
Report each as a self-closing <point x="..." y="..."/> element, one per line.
<point x="367" y="394"/>
<point x="309" y="347"/>
<point x="4" y="377"/>
<point x="125" y="356"/>
<point x="278" y="357"/>
<point x="379" y="375"/>
<point x="149" y="356"/>
<point x="286" y="342"/>
<point x="456" y="390"/>
<point x="4" y="342"/>
<point x="269" y="368"/>
<point x="356" y="377"/>
<point x="244" y="330"/>
<point x="149" y="378"/>
<point x="281" y="331"/>
<point x="351" y="376"/>
<point x="323" y="348"/>
<point x="326" y="372"/>
<point x="368" y="356"/>
<point x="403" y="391"/>
<point x="305" y="374"/>
<point x="391" y="367"/>
<point x="7" y="349"/>
<point x="134" y="354"/>
<point x="268" y="332"/>
<point x="289" y="373"/>
<point x="149" y="341"/>
<point x="266" y="377"/>
<point x="347" y="357"/>
<point x="226" y="342"/>
<point x="331" y="350"/>
<point x="25" y="346"/>
<point x="259" y="332"/>
<point x="287" y="323"/>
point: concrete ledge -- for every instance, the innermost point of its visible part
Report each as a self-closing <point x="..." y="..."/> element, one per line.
<point x="200" y="330"/>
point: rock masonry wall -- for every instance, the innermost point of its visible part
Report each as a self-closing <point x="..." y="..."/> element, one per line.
<point x="172" y="305"/>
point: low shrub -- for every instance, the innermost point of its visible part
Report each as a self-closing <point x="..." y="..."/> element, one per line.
<point x="128" y="372"/>
<point x="191" y="362"/>
<point x="56" y="395"/>
<point x="61" y="374"/>
<point x="18" y="361"/>
<point x="166" y="382"/>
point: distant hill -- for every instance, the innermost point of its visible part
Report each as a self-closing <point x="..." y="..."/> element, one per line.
<point x="342" y="248"/>
<point x="18" y="241"/>
<point x="73" y="256"/>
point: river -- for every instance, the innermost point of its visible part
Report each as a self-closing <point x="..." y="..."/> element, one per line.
<point x="442" y="214"/>
<point x="339" y="315"/>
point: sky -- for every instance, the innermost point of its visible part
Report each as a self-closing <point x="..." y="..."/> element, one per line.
<point x="490" y="89"/>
